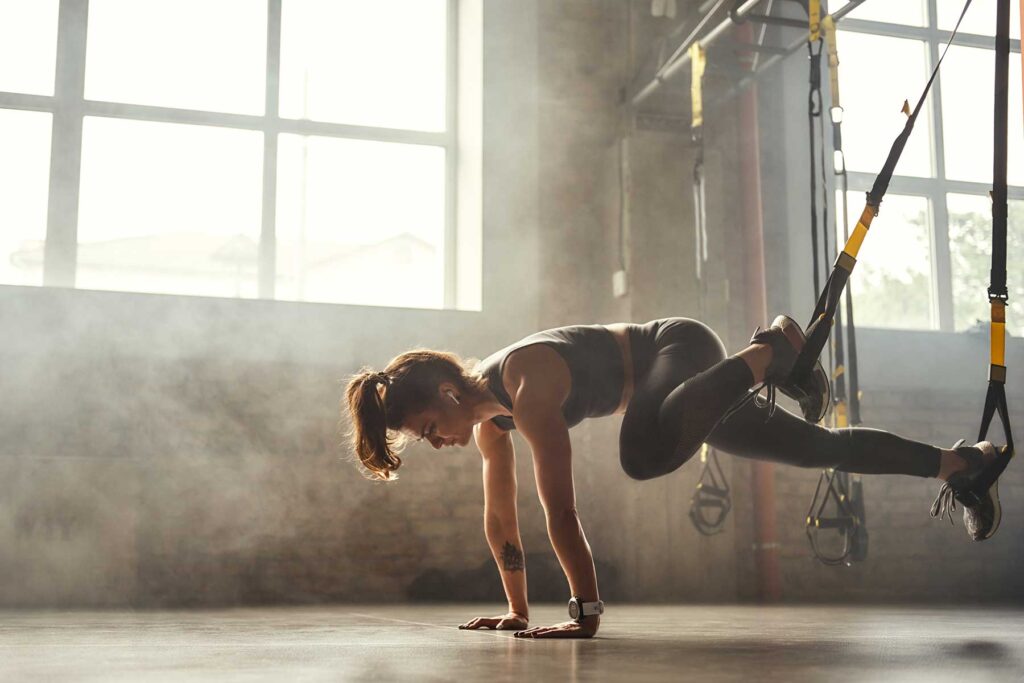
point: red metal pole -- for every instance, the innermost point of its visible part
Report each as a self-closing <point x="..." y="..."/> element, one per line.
<point x="766" y="546"/>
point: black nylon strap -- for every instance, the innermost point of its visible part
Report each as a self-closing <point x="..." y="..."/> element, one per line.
<point x="997" y="280"/>
<point x="814" y="110"/>
<point x="881" y="184"/>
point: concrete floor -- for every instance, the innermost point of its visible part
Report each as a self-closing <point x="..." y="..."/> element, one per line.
<point x="635" y="643"/>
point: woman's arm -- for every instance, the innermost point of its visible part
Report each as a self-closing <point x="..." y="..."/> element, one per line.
<point x="501" y="522"/>
<point x="537" y="414"/>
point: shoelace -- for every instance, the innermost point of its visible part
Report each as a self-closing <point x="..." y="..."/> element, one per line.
<point x="945" y="503"/>
<point x="753" y="394"/>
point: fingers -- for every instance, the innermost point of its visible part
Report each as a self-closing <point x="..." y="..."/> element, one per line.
<point x="496" y="623"/>
<point x="479" y="622"/>
<point x="570" y="630"/>
<point x="540" y="632"/>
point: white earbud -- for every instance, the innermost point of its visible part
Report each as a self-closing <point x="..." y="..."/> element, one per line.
<point x="452" y="397"/>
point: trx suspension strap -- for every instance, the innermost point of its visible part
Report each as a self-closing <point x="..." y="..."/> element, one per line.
<point x="814" y="107"/>
<point x="712" y="488"/>
<point x="697" y="63"/>
<point x="997" y="292"/>
<point x="835" y="486"/>
<point x="824" y="311"/>
<point x="846" y="413"/>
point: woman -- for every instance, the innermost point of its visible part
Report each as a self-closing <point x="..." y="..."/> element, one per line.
<point x="671" y="380"/>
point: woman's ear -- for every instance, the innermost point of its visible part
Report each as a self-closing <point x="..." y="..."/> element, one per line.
<point x="447" y="389"/>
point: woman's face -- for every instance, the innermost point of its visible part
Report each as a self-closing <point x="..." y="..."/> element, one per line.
<point x="446" y="424"/>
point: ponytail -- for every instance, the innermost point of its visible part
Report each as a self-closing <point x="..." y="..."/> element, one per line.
<point x="370" y="439"/>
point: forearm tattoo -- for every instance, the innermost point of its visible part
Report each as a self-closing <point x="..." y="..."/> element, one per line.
<point x="511" y="557"/>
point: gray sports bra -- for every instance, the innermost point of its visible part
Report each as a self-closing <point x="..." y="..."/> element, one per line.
<point x="595" y="365"/>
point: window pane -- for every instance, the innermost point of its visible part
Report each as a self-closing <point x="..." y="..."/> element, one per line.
<point x="912" y="12"/>
<point x="360" y="222"/>
<point x="970" y="247"/>
<point x="187" y="54"/>
<point x="365" y="63"/>
<point x="872" y="117"/>
<point x="981" y="17"/>
<point x="891" y="284"/>
<point x="169" y="208"/>
<point x="28" y="46"/>
<point x="967" y="101"/>
<point x="24" y="183"/>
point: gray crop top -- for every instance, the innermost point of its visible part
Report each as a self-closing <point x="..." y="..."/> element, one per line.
<point x="595" y="365"/>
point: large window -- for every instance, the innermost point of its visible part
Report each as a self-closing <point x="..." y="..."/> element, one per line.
<point x="293" y="149"/>
<point x="925" y="263"/>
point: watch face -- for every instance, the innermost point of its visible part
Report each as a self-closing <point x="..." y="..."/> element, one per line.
<point x="574" y="609"/>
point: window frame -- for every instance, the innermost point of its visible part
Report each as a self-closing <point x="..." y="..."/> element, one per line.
<point x="69" y="109"/>
<point x="936" y="186"/>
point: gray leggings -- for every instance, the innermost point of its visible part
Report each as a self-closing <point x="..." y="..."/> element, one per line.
<point x="683" y="385"/>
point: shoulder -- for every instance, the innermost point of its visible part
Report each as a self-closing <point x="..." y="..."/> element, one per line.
<point x="539" y="368"/>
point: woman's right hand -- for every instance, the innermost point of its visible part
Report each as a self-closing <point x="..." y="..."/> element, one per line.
<point x="506" y="622"/>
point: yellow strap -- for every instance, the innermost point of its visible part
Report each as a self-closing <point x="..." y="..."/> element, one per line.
<point x="833" y="57"/>
<point x="860" y="232"/>
<point x="998" y="336"/>
<point x="839" y="418"/>
<point x="697" y="63"/>
<point x="814" y="19"/>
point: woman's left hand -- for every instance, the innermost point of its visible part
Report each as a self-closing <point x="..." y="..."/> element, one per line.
<point x="567" y="629"/>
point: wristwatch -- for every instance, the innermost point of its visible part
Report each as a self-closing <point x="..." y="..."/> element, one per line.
<point x="580" y="610"/>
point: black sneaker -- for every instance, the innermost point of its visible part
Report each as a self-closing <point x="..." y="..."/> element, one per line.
<point x="786" y="341"/>
<point x="982" y="511"/>
<point x="811" y="389"/>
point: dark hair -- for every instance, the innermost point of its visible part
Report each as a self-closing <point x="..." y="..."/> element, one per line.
<point x="380" y="402"/>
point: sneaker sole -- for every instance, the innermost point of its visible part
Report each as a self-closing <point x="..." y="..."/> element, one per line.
<point x="785" y="323"/>
<point x="996" y="506"/>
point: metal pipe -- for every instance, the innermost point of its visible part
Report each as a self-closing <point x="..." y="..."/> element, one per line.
<point x="775" y="21"/>
<point x="669" y="68"/>
<point x="779" y="56"/>
<point x="766" y="544"/>
<point x="681" y="55"/>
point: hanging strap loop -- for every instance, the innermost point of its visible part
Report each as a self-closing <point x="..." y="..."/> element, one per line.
<point x="712" y="493"/>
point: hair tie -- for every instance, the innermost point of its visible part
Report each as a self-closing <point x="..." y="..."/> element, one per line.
<point x="382" y="378"/>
